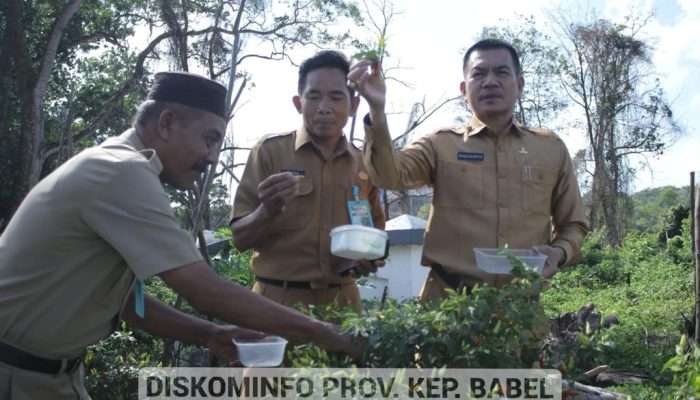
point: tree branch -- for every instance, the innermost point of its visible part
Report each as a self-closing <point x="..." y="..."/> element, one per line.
<point x="112" y="102"/>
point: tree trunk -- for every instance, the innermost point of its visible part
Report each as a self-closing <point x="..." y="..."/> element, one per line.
<point x="32" y="98"/>
<point x="610" y="211"/>
<point x="21" y="66"/>
<point x="35" y="130"/>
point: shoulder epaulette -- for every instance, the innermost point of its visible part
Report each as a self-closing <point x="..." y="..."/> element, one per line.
<point x="457" y="130"/>
<point x="542" y="132"/>
<point x="271" y="136"/>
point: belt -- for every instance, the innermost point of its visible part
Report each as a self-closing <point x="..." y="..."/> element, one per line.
<point x="17" y="358"/>
<point x="292" y="284"/>
<point x="454" y="281"/>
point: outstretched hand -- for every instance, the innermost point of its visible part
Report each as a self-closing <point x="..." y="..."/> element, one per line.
<point x="220" y="341"/>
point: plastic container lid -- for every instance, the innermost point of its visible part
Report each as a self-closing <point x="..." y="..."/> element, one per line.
<point x="359" y="228"/>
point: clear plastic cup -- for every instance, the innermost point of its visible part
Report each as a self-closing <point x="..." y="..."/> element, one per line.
<point x="265" y="352"/>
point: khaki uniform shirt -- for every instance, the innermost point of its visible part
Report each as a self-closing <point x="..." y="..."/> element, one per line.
<point x="70" y="253"/>
<point x="298" y="245"/>
<point x="518" y="190"/>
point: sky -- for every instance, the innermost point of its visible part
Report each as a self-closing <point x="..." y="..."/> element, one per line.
<point x="427" y="41"/>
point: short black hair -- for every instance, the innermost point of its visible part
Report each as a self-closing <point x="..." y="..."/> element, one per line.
<point x="323" y="59"/>
<point x="492" y="44"/>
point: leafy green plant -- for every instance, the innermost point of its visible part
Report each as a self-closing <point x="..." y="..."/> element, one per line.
<point x="489" y="328"/>
<point x="685" y="366"/>
<point x="112" y="365"/>
<point x="374" y="53"/>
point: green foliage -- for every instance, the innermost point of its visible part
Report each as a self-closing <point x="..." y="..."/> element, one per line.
<point x="685" y="366"/>
<point x="235" y="267"/>
<point x="490" y="328"/>
<point x="647" y="293"/>
<point x="603" y="266"/>
<point x="75" y="93"/>
<point x="673" y="222"/>
<point x="372" y="53"/>
<point x="650" y="207"/>
<point x="112" y="366"/>
<point x="645" y="391"/>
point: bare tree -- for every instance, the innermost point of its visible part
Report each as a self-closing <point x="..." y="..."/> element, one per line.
<point x="607" y="75"/>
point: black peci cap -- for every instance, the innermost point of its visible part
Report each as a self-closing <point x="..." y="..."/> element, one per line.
<point x="190" y="90"/>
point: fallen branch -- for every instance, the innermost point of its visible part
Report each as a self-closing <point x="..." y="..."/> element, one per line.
<point x="579" y="391"/>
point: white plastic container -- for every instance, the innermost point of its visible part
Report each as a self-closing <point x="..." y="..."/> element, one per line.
<point x="266" y="352"/>
<point x="490" y="261"/>
<point x="358" y="242"/>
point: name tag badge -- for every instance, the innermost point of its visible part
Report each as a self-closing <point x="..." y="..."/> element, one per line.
<point x="467" y="156"/>
<point x="359" y="210"/>
<point x="138" y="298"/>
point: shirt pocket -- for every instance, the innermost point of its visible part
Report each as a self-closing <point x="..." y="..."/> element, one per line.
<point x="459" y="185"/>
<point x="537" y="188"/>
<point x="297" y="212"/>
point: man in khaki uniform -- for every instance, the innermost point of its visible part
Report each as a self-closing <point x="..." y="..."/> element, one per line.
<point x="295" y="189"/>
<point x="496" y="183"/>
<point x="73" y="257"/>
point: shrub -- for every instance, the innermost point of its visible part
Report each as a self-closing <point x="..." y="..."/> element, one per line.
<point x="685" y="366"/>
<point x="490" y="328"/>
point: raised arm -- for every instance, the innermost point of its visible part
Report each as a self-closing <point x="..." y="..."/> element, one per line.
<point x="409" y="168"/>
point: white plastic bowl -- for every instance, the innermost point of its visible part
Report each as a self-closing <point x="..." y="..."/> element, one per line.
<point x="490" y="261"/>
<point x="358" y="242"/>
<point x="266" y="352"/>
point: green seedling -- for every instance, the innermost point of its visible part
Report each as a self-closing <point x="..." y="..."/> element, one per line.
<point x="373" y="54"/>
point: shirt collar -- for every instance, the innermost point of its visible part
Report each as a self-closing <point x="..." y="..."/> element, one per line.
<point x="132" y="139"/>
<point x="303" y="137"/>
<point x="475" y="127"/>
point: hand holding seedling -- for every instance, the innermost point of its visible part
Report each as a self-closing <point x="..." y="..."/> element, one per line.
<point x="366" y="77"/>
<point x="374" y="55"/>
